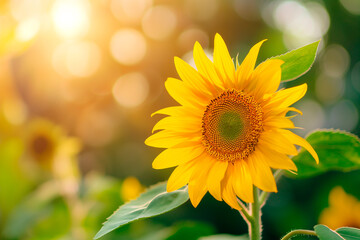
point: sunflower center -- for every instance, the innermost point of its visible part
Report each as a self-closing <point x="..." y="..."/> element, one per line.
<point x="231" y="126"/>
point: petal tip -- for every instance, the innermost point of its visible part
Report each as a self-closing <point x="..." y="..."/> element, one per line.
<point x="194" y="203"/>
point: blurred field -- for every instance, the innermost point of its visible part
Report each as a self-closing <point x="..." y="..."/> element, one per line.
<point x="79" y="80"/>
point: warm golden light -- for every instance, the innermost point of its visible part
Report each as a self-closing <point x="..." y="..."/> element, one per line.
<point x="131" y="11"/>
<point x="15" y="111"/>
<point x="201" y="9"/>
<point x="83" y="59"/>
<point x="189" y="36"/>
<point x="131" y="90"/>
<point x="159" y="22"/>
<point x="76" y="59"/>
<point x="27" y="30"/>
<point x="128" y="46"/>
<point x="71" y="17"/>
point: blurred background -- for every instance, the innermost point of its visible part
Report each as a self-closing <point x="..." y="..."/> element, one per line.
<point x="79" y="80"/>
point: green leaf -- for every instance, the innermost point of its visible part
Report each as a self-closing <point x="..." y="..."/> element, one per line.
<point x="31" y="210"/>
<point x="325" y="233"/>
<point x="349" y="233"/>
<point x="297" y="62"/>
<point x="337" y="150"/>
<point x="191" y="231"/>
<point x="225" y="237"/>
<point x="153" y="202"/>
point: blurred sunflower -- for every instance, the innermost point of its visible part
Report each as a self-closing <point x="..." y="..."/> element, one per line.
<point x="131" y="188"/>
<point x="42" y="141"/>
<point x="47" y="145"/>
<point x="343" y="210"/>
<point x="231" y="127"/>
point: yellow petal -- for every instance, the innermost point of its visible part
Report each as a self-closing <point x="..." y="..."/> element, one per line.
<point x="205" y="67"/>
<point x="223" y="61"/>
<point x="278" y="122"/>
<point x="190" y="76"/>
<point x="183" y="94"/>
<point x="295" y="139"/>
<point x="276" y="141"/>
<point x="266" y="78"/>
<point x="247" y="66"/>
<point x="180" y="111"/>
<point x="172" y="111"/>
<point x="286" y="97"/>
<point x="180" y="176"/>
<point x="292" y="109"/>
<point x="228" y="194"/>
<point x="164" y="139"/>
<point x="172" y="157"/>
<point x="179" y="124"/>
<point x="275" y="159"/>
<point x="261" y="174"/>
<point x="197" y="182"/>
<point x="216" y="174"/>
<point x="243" y="185"/>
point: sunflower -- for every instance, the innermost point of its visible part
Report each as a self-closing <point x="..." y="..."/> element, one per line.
<point x="343" y="210"/>
<point x="131" y="188"/>
<point x="42" y="141"/>
<point x="231" y="126"/>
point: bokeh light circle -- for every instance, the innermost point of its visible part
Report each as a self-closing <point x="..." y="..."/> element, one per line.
<point x="27" y="29"/>
<point x="83" y="59"/>
<point x="77" y="59"/>
<point x="353" y="6"/>
<point x="131" y="11"/>
<point x="159" y="22"/>
<point x="329" y="89"/>
<point x="128" y="46"/>
<point x="189" y="36"/>
<point x="131" y="90"/>
<point x="335" y="61"/>
<point x="71" y="17"/>
<point x="313" y="116"/>
<point x="201" y="9"/>
<point x="300" y="22"/>
<point x="344" y="115"/>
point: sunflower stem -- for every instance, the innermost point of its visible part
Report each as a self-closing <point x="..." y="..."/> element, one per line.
<point x="244" y="211"/>
<point x="298" y="232"/>
<point x="255" y="221"/>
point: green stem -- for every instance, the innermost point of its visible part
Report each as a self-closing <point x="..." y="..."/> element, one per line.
<point x="244" y="211"/>
<point x="252" y="216"/>
<point x="255" y="222"/>
<point x="298" y="232"/>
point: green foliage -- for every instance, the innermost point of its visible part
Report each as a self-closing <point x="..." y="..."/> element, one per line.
<point x="337" y="150"/>
<point x="153" y="202"/>
<point x="191" y="231"/>
<point x="38" y="206"/>
<point x="349" y="233"/>
<point x="298" y="61"/>
<point x="325" y="233"/>
<point x="225" y="237"/>
<point x="344" y="233"/>
<point x="180" y="231"/>
<point x="11" y="174"/>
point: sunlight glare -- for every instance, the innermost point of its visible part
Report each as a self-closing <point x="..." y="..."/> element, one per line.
<point x="71" y="17"/>
<point x="27" y="29"/>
